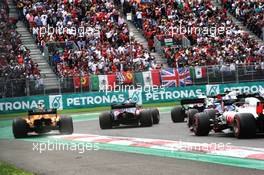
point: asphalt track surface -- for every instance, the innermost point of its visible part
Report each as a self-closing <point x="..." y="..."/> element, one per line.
<point x="103" y="162"/>
<point x="169" y="131"/>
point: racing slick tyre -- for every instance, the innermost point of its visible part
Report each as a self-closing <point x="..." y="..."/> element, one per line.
<point x="105" y="121"/>
<point x="146" y="118"/>
<point x="20" y="128"/>
<point x="190" y="116"/>
<point x="201" y="125"/>
<point x="177" y="114"/>
<point x="211" y="113"/>
<point x="244" y="125"/>
<point x="65" y="125"/>
<point x="155" y="115"/>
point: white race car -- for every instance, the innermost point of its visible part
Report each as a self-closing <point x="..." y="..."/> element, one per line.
<point x="244" y="118"/>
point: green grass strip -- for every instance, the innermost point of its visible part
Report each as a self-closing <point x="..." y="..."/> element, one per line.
<point x="7" y="169"/>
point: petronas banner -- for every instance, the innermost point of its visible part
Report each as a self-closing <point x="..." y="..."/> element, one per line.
<point x="141" y="96"/>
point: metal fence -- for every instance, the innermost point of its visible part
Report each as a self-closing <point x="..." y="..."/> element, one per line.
<point x="169" y="41"/>
<point x="52" y="47"/>
<point x="227" y="74"/>
<point x="214" y="75"/>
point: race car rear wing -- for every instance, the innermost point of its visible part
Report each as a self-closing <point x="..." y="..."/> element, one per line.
<point x="218" y="96"/>
<point x="192" y="101"/>
<point x="122" y="106"/>
<point x="229" y="102"/>
<point x="52" y="111"/>
<point x="260" y="108"/>
<point x="246" y="95"/>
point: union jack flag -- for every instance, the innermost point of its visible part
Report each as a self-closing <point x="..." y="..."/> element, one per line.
<point x="184" y="76"/>
<point x="169" y="78"/>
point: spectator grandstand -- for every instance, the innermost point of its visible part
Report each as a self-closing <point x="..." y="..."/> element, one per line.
<point x="251" y="13"/>
<point x="209" y="46"/>
<point x="15" y="62"/>
<point x="105" y="47"/>
<point x="87" y="40"/>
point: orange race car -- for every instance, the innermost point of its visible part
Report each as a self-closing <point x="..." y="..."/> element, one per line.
<point x="42" y="121"/>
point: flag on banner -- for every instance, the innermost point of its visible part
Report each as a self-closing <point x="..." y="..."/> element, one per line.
<point x="107" y="82"/>
<point x="94" y="83"/>
<point x="128" y="77"/>
<point x="148" y="78"/>
<point x="125" y="78"/>
<point x="199" y="72"/>
<point x="103" y="82"/>
<point x="169" y="77"/>
<point x="77" y="82"/>
<point x="184" y="76"/>
<point x="80" y="81"/>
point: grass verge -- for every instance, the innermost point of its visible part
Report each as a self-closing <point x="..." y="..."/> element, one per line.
<point x="7" y="169"/>
<point x="85" y="110"/>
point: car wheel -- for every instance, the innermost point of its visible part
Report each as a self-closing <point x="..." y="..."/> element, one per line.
<point x="190" y="116"/>
<point x="20" y="128"/>
<point x="156" y="116"/>
<point x="201" y="125"/>
<point x="146" y="118"/>
<point x="65" y="125"/>
<point x="177" y="114"/>
<point x="244" y="125"/>
<point x="105" y="121"/>
<point x="211" y="113"/>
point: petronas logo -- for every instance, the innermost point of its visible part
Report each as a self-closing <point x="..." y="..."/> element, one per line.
<point x="135" y="96"/>
<point x="212" y="89"/>
<point x="55" y="102"/>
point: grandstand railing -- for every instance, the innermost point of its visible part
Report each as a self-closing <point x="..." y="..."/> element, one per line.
<point x="169" y="41"/>
<point x="259" y="32"/>
<point x="51" y="47"/>
<point x="4" y="5"/>
<point x="214" y="75"/>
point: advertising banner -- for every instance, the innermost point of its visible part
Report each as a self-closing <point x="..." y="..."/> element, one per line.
<point x="141" y="96"/>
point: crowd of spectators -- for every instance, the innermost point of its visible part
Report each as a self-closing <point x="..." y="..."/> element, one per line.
<point x="251" y="13"/>
<point x="214" y="37"/>
<point x="16" y="65"/>
<point x="15" y="60"/>
<point x="106" y="46"/>
<point x="102" y="36"/>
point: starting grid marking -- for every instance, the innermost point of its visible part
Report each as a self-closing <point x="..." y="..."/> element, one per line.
<point x="169" y="145"/>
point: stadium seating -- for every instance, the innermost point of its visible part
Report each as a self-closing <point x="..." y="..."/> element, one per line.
<point x="207" y="47"/>
<point x="251" y="13"/>
<point x="107" y="52"/>
<point x="15" y="62"/>
<point x="106" y="47"/>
